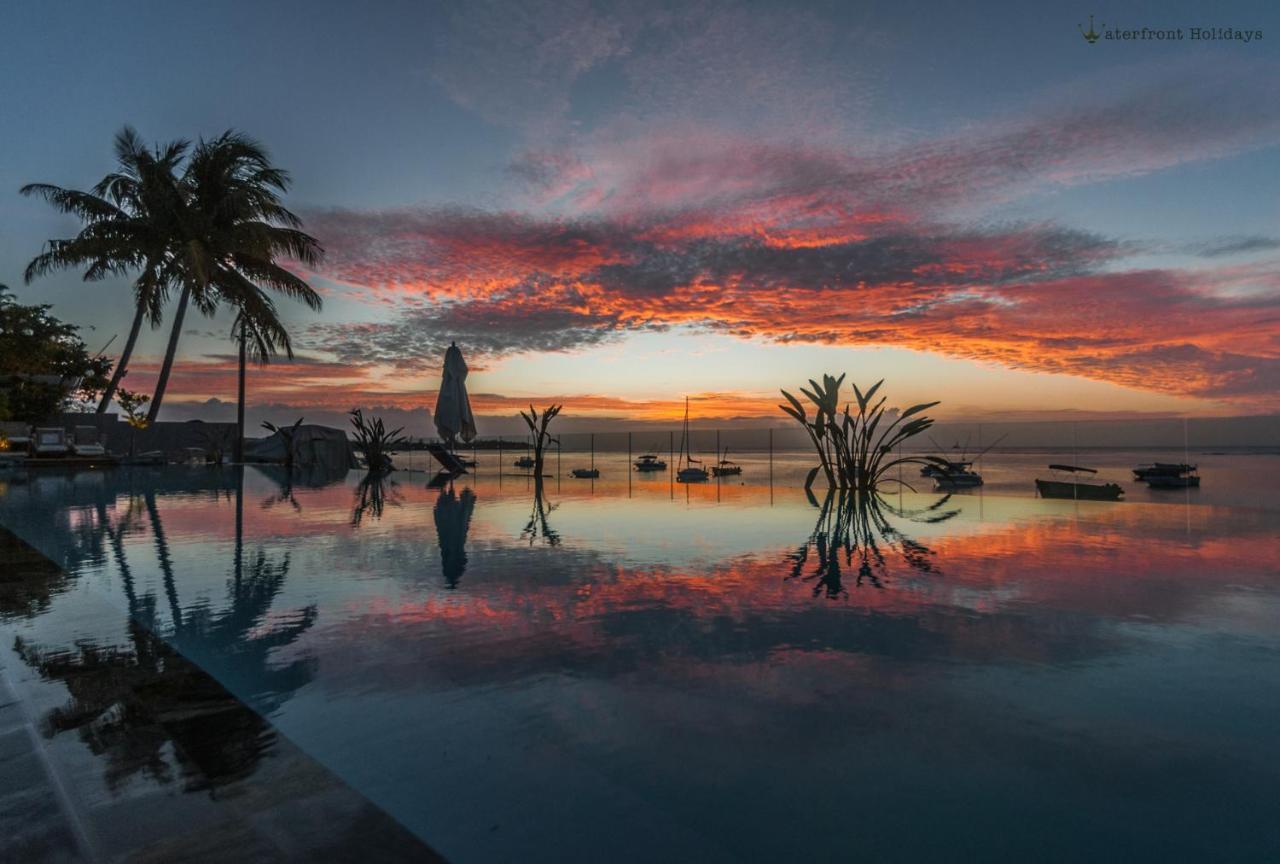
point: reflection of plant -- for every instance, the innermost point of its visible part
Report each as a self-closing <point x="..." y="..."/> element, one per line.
<point x="373" y="439"/>
<point x="541" y="437"/>
<point x="288" y="436"/>
<point x="537" y="525"/>
<point x="854" y="530"/>
<point x="850" y="453"/>
<point x="374" y="492"/>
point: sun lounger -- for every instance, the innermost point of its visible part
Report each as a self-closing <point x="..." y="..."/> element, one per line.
<point x="452" y="464"/>
<point x="50" y="442"/>
<point x="87" y="443"/>
<point x="16" y="435"/>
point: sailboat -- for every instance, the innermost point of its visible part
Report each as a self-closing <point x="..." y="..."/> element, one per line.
<point x="692" y="470"/>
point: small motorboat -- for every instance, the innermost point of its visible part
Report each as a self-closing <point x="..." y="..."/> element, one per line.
<point x="1070" y="487"/>
<point x="951" y="468"/>
<point x="1162" y="469"/>
<point x="726" y="468"/>
<point x="585" y="473"/>
<point x="524" y="462"/>
<point x="957" y="480"/>
<point x="1189" y="480"/>
<point x="649" y="462"/>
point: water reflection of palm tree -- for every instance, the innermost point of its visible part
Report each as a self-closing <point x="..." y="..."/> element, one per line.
<point x="853" y="529"/>
<point x="452" y="514"/>
<point x="128" y="702"/>
<point x="538" y="525"/>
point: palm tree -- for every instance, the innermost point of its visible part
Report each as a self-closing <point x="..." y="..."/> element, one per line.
<point x="130" y="217"/>
<point x="261" y="335"/>
<point x="232" y="230"/>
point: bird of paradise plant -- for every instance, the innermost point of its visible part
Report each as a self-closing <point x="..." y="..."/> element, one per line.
<point x="375" y="441"/>
<point x="856" y="449"/>
<point x="541" y="437"/>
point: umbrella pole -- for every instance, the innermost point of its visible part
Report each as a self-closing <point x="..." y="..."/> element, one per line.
<point x="770" y="466"/>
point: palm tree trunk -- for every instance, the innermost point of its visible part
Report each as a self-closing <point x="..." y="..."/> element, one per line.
<point x="238" y="450"/>
<point x="163" y="381"/>
<point x="123" y="365"/>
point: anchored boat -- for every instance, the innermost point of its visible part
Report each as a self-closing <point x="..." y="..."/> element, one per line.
<point x="1065" y="485"/>
<point x="726" y="468"/>
<point x="1162" y="469"/>
<point x="956" y="480"/>
<point x="688" y="469"/>
<point x="932" y="470"/>
<point x="650" y="462"/>
<point x="1188" y="479"/>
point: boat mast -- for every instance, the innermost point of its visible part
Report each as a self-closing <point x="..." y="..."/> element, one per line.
<point x="684" y="434"/>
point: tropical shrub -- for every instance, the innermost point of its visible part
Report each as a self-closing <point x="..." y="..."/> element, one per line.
<point x="375" y="441"/>
<point x="541" y="437"/>
<point x="856" y="449"/>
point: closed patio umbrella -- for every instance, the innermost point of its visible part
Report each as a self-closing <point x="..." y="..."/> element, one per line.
<point x="453" y="417"/>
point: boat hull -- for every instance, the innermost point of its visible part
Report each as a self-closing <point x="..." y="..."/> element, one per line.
<point x="691" y="475"/>
<point x="727" y="472"/>
<point x="1079" y="491"/>
<point x="1167" y="482"/>
<point x="585" y="473"/>
<point x="960" y="481"/>
<point x="1161" y="469"/>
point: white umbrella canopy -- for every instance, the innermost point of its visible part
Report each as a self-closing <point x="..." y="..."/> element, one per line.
<point x="453" y="415"/>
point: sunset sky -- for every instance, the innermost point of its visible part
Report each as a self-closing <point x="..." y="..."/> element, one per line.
<point x="616" y="205"/>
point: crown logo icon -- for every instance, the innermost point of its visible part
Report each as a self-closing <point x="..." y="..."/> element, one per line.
<point x="1091" y="35"/>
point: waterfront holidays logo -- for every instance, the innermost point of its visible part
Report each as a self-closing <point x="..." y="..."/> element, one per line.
<point x="1168" y="34"/>
<point x="1092" y="35"/>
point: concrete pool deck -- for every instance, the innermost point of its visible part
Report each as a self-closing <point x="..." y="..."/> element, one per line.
<point x="53" y="807"/>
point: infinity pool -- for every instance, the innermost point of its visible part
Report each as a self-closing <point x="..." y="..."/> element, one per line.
<point x="633" y="670"/>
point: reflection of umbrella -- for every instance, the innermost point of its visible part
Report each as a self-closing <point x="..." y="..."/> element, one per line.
<point x="453" y="409"/>
<point x="453" y="518"/>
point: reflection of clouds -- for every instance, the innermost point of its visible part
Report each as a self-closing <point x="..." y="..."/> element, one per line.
<point x="1038" y="592"/>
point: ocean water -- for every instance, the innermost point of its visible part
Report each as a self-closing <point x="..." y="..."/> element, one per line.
<point x="634" y="669"/>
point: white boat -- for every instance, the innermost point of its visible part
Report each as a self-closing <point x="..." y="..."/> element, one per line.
<point x="688" y="469"/>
